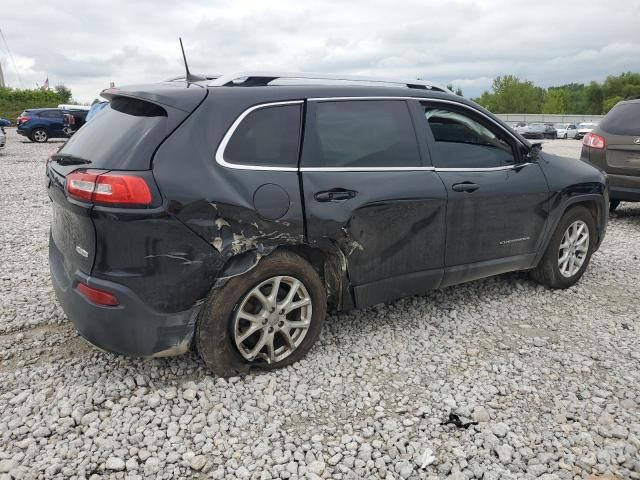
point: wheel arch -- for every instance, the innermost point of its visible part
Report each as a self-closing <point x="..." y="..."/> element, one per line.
<point x="327" y="259"/>
<point x="594" y="202"/>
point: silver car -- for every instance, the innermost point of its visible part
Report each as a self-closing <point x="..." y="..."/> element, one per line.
<point x="584" y="128"/>
<point x="566" y="130"/>
<point x="3" y="137"/>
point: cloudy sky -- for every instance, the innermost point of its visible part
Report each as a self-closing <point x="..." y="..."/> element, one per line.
<point x="86" y="44"/>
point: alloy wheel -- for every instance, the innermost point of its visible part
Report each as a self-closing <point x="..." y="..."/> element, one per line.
<point x="40" y="136"/>
<point x="574" y="248"/>
<point x="272" y="319"/>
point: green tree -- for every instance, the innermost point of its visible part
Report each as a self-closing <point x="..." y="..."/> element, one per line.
<point x="456" y="90"/>
<point x="610" y="102"/>
<point x="594" y="98"/>
<point x="511" y="95"/>
<point x="14" y="100"/>
<point x="64" y="94"/>
<point x="555" y="102"/>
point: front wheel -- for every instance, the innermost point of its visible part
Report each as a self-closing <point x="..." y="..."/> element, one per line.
<point x="39" y="135"/>
<point x="266" y="318"/>
<point x="569" y="250"/>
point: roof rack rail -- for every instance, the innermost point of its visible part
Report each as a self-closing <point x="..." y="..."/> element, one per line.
<point x="260" y="79"/>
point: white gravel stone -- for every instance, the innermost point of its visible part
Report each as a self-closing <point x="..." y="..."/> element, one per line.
<point x="551" y="376"/>
<point x="114" y="463"/>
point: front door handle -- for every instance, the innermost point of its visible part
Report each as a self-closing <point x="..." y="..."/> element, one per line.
<point x="335" y="195"/>
<point x="465" y="187"/>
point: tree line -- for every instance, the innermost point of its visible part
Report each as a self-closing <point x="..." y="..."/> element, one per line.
<point x="13" y="101"/>
<point x="509" y="94"/>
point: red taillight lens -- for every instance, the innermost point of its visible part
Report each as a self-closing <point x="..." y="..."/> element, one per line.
<point x="23" y="119"/>
<point x="97" y="296"/>
<point x="125" y="189"/>
<point x="109" y="188"/>
<point x="594" y="141"/>
<point x="80" y="185"/>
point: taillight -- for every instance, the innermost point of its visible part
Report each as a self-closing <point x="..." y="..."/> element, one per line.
<point x="108" y="188"/>
<point x="23" y="119"/>
<point x="97" y="296"/>
<point x="594" y="141"/>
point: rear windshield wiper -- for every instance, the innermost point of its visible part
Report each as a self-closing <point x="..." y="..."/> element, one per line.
<point x="66" y="159"/>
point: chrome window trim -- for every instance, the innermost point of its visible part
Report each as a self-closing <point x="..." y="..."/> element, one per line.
<point x="367" y="169"/>
<point x="227" y="137"/>
<point x="232" y="129"/>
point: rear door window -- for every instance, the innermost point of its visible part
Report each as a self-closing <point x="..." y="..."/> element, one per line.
<point x="462" y="141"/>
<point x="624" y="119"/>
<point x="267" y="137"/>
<point x="363" y="133"/>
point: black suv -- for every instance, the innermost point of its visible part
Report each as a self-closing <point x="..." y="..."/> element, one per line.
<point x="614" y="146"/>
<point x="232" y="213"/>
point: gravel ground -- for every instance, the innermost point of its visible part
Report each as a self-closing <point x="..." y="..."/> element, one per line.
<point x="551" y="377"/>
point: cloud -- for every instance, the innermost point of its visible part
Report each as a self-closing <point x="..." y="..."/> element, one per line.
<point x="88" y="44"/>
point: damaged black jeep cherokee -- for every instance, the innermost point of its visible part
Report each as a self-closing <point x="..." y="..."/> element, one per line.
<point x="231" y="213"/>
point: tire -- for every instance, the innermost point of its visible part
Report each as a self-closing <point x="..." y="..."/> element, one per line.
<point x="548" y="271"/>
<point x="613" y="204"/>
<point x="221" y="322"/>
<point x="39" y="135"/>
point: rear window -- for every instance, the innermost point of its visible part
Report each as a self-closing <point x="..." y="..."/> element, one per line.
<point x="624" y="119"/>
<point x="123" y="137"/>
<point x="364" y="133"/>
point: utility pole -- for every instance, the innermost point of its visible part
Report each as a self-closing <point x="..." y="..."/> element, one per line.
<point x="1" y="77"/>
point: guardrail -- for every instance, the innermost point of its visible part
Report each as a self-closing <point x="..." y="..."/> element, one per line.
<point x="548" y="118"/>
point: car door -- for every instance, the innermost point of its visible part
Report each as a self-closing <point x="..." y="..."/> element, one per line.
<point x="369" y="189"/>
<point x="55" y="122"/>
<point x="496" y="199"/>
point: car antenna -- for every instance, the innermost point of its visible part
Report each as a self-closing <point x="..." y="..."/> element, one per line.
<point x="190" y="76"/>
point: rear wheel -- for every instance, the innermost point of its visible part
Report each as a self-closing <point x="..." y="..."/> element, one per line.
<point x="267" y="318"/>
<point x="39" y="135"/>
<point x="569" y="250"/>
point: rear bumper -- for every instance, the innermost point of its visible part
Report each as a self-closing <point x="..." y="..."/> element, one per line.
<point x="131" y="328"/>
<point x="624" y="187"/>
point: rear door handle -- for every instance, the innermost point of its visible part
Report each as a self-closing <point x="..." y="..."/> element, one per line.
<point x="465" y="187"/>
<point x="335" y="195"/>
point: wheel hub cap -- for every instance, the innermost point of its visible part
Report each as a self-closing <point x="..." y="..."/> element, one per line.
<point x="574" y="248"/>
<point x="272" y="319"/>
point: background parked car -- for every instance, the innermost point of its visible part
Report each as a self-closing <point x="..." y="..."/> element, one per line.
<point x="521" y="127"/>
<point x="550" y="131"/>
<point x="41" y="124"/>
<point x="614" y="146"/>
<point x="584" y="128"/>
<point x="534" y="130"/>
<point x="566" y="130"/>
<point x="4" y="122"/>
<point x="75" y="119"/>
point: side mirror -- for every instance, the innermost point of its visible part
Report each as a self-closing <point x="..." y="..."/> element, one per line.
<point x="533" y="153"/>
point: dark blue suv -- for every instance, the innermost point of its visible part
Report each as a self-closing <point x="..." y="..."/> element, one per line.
<point x="41" y="124"/>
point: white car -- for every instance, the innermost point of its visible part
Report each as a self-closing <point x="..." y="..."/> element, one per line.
<point x="521" y="127"/>
<point x="566" y="130"/>
<point x="3" y="137"/>
<point x="584" y="128"/>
